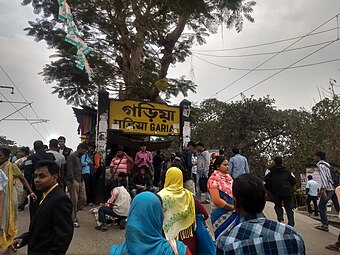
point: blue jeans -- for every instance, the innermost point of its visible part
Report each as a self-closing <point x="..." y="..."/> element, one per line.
<point x="330" y="194"/>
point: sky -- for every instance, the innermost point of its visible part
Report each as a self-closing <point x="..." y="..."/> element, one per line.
<point x="210" y="67"/>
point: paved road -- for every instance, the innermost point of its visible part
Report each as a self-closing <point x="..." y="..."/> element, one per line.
<point x="87" y="240"/>
<point x="315" y="240"/>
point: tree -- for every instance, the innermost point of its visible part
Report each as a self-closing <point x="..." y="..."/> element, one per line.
<point x="134" y="42"/>
<point x="9" y="144"/>
<point x="255" y="126"/>
<point x="322" y="132"/>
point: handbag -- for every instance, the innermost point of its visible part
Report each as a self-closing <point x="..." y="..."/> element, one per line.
<point x="203" y="182"/>
<point x="204" y="242"/>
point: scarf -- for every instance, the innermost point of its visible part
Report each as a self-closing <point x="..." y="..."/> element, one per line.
<point x="144" y="229"/>
<point x="10" y="230"/>
<point x="178" y="205"/>
<point x="222" y="182"/>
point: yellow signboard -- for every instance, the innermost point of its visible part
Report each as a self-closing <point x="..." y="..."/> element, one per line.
<point x="144" y="118"/>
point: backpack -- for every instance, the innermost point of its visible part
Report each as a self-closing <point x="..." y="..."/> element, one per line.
<point x="334" y="174"/>
<point x="179" y="163"/>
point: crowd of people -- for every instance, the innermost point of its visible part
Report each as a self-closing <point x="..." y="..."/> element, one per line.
<point x="158" y="201"/>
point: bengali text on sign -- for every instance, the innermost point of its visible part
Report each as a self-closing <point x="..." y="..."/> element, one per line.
<point x="144" y="118"/>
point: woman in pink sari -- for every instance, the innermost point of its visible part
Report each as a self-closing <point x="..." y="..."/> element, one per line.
<point x="223" y="217"/>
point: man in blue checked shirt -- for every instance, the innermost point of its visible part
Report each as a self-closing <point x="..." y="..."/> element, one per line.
<point x="256" y="234"/>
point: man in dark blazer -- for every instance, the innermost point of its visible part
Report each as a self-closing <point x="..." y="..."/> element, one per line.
<point x="51" y="229"/>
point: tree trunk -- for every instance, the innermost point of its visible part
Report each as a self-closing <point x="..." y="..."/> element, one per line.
<point x="169" y="43"/>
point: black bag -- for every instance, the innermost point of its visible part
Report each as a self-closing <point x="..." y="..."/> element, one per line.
<point x="203" y="184"/>
<point x="334" y="174"/>
<point x="178" y="162"/>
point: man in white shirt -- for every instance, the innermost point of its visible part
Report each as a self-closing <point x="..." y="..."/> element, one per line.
<point x="312" y="195"/>
<point x="59" y="158"/>
<point x="118" y="206"/>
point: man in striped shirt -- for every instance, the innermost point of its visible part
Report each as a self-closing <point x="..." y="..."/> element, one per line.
<point x="327" y="190"/>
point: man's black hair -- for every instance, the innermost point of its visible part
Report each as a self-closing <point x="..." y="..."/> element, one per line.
<point x="62" y="138"/>
<point x="142" y="144"/>
<point x="236" y="150"/>
<point x="122" y="182"/>
<point x="200" y="144"/>
<point x="6" y="152"/>
<point x="91" y="144"/>
<point x="122" y="175"/>
<point x="221" y="151"/>
<point x="51" y="165"/>
<point x="38" y="145"/>
<point x="144" y="167"/>
<point x="249" y="193"/>
<point x="321" y="155"/>
<point x="191" y="143"/>
<point x="278" y="160"/>
<point x="310" y="177"/>
<point x="25" y="149"/>
<point x="82" y="146"/>
<point x="53" y="143"/>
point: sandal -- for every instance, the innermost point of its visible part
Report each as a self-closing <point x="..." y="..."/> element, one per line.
<point x="76" y="225"/>
<point x="332" y="247"/>
<point x="101" y="228"/>
<point x="321" y="228"/>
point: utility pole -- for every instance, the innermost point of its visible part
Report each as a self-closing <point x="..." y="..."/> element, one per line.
<point x="331" y="86"/>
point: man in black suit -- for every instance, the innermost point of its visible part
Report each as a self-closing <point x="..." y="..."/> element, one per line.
<point x="51" y="229"/>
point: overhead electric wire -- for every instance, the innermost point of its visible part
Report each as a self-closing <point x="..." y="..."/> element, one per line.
<point x="267" y="69"/>
<point x="23" y="116"/>
<point x="14" y="102"/>
<point x="273" y="42"/>
<point x="271" y="76"/>
<point x="261" y="53"/>
<point x="30" y="104"/>
<point x="9" y="115"/>
<point x="300" y="38"/>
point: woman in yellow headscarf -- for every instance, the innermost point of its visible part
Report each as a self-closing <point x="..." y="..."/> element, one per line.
<point x="8" y="227"/>
<point x="179" y="209"/>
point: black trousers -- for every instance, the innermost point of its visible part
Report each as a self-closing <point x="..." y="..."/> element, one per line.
<point x="287" y="204"/>
<point x="103" y="211"/>
<point x="313" y="199"/>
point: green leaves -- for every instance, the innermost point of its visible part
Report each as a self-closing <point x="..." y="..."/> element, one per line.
<point x="133" y="42"/>
<point x="261" y="131"/>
